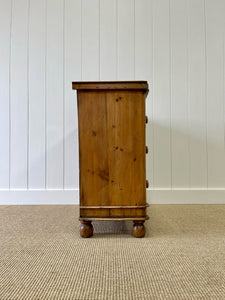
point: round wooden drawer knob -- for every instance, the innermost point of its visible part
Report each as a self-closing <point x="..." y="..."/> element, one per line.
<point x="147" y="184"/>
<point x="146" y="149"/>
<point x="146" y="119"/>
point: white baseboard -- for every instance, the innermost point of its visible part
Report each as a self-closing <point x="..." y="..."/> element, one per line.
<point x="71" y="197"/>
<point x="186" y="196"/>
<point x="39" y="197"/>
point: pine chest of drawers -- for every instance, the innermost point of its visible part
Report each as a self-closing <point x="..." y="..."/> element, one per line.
<point x="111" y="122"/>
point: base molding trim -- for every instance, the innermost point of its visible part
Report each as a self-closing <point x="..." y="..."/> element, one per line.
<point x="71" y="196"/>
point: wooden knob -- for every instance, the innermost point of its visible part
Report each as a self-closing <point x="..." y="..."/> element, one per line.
<point x="147" y="184"/>
<point x="146" y="149"/>
<point x="146" y="119"/>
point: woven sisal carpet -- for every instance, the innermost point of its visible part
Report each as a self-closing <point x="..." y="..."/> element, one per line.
<point x="181" y="257"/>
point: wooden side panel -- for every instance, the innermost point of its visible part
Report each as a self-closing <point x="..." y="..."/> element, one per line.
<point x="112" y="152"/>
<point x="126" y="142"/>
<point x="93" y="148"/>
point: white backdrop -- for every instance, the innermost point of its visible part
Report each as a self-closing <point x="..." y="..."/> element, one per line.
<point x="178" y="46"/>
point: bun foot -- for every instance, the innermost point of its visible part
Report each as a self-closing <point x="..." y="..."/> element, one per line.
<point x="86" y="229"/>
<point x="138" y="230"/>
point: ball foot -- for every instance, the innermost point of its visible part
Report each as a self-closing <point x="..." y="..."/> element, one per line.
<point x="86" y="229"/>
<point x="138" y="230"/>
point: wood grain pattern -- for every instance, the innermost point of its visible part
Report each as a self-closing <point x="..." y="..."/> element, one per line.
<point x="126" y="130"/>
<point x="93" y="147"/>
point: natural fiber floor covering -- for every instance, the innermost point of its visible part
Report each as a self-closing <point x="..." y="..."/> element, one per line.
<point x="181" y="257"/>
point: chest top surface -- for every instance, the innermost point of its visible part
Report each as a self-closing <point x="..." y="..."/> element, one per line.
<point x="110" y="85"/>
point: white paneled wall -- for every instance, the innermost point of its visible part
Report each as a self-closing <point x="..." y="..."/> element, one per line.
<point x="19" y="89"/>
<point x="37" y="94"/>
<point x="5" y="91"/>
<point x="178" y="46"/>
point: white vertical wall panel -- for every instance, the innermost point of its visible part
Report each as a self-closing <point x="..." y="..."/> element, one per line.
<point x="19" y="94"/>
<point x="5" y="31"/>
<point x="37" y="63"/>
<point x="161" y="94"/>
<point x="143" y="39"/>
<point x="126" y="40"/>
<point x="54" y="94"/>
<point x="90" y="40"/>
<point x="72" y="72"/>
<point x="197" y="94"/>
<point x="179" y="93"/>
<point x="215" y="28"/>
<point x="144" y="68"/>
<point x="108" y="39"/>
